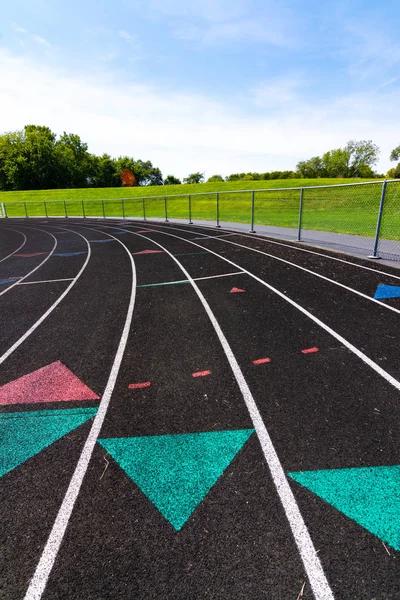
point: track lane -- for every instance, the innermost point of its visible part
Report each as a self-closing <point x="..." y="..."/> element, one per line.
<point x="387" y="352"/>
<point x="18" y="248"/>
<point x="177" y="403"/>
<point x="85" y="325"/>
<point x="347" y="415"/>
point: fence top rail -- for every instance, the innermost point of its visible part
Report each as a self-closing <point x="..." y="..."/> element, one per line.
<point x="186" y="195"/>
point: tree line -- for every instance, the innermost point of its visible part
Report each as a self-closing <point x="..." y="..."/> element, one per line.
<point x="35" y="158"/>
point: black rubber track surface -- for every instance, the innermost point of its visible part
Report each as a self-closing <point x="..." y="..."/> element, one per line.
<point x="323" y="410"/>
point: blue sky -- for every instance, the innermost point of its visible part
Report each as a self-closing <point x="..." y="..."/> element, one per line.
<point x="218" y="86"/>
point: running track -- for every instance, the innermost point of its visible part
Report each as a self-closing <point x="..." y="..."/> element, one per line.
<point x="303" y="355"/>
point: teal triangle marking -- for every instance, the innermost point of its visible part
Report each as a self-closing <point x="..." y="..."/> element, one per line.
<point x="368" y="495"/>
<point x="387" y="291"/>
<point x="24" y="434"/>
<point x="177" y="471"/>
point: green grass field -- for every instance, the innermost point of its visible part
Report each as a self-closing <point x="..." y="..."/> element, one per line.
<point x="350" y="210"/>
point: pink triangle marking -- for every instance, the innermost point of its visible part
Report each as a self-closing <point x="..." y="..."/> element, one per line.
<point x="53" y="383"/>
<point x="148" y="252"/>
<point x="236" y="290"/>
<point x="29" y="255"/>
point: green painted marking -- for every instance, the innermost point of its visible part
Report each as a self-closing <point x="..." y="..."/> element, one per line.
<point x="190" y="253"/>
<point x="368" y="495"/>
<point x="177" y="471"/>
<point x="157" y="284"/>
<point x="24" y="434"/>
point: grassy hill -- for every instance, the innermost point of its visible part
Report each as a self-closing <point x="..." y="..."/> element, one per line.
<point x="352" y="209"/>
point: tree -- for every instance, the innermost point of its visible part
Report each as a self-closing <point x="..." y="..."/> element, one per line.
<point x="194" y="178"/>
<point x="171" y="180"/>
<point x="105" y="172"/>
<point x="335" y="163"/>
<point x="394" y="173"/>
<point x="395" y="154"/>
<point x="363" y="156"/>
<point x="215" y="178"/>
<point x="311" y="168"/>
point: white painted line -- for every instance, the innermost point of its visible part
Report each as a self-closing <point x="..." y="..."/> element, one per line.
<point x="49" y="310"/>
<point x="39" y="265"/>
<point x="213" y="236"/>
<point x="216" y="276"/>
<point x="19" y="247"/>
<point x="389" y="378"/>
<point x="349" y="289"/>
<point x="334" y="282"/>
<point x="276" y="243"/>
<point x="39" y="580"/>
<point x="312" y="564"/>
<point x="45" y="281"/>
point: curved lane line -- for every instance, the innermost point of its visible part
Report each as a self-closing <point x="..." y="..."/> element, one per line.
<point x="312" y="564"/>
<point x="19" y="247"/>
<point x="266" y="240"/>
<point x="49" y="310"/>
<point x="342" y="285"/>
<point x="389" y="378"/>
<point x="39" y="580"/>
<point x="39" y="265"/>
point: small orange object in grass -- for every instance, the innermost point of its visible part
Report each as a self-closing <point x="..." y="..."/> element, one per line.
<point x="127" y="177"/>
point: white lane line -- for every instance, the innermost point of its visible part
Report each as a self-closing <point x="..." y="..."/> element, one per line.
<point x="187" y="281"/>
<point x="39" y="580"/>
<point x="368" y="361"/>
<point x="312" y="564"/>
<point x="45" y="281"/>
<point x="49" y="310"/>
<point x="213" y="236"/>
<point x="269" y="241"/>
<point x="39" y="265"/>
<point x="19" y="247"/>
<point x="334" y="282"/>
<point x="288" y="262"/>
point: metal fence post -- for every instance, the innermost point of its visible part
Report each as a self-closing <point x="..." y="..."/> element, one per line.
<point x="65" y="209"/>
<point x="45" y="209"/>
<point x="102" y="205"/>
<point x="300" y="214"/>
<point x="26" y="212"/>
<point x="165" y="209"/>
<point x="252" y="212"/>
<point x="217" y="208"/>
<point x="144" y="209"/>
<point x="83" y="209"/>
<point x="123" y="208"/>
<point x="190" y="209"/>
<point x="5" y="210"/>
<point x="378" y="225"/>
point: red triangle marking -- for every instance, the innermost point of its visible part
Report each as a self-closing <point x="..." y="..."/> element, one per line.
<point x="236" y="290"/>
<point x="53" y="383"/>
<point x="29" y="255"/>
<point x="148" y="252"/>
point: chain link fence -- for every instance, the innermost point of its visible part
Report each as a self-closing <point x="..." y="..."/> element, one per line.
<point x="362" y="218"/>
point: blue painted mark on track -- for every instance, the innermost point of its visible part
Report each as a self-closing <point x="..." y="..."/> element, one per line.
<point x="4" y="281"/>
<point x="177" y="471"/>
<point x="368" y="495"/>
<point x="100" y="241"/>
<point x="119" y="232"/>
<point x="69" y="253"/>
<point x="387" y="291"/>
<point x="24" y="434"/>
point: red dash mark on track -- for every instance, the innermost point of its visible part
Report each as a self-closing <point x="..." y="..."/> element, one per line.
<point x="261" y="361"/>
<point x="310" y="350"/>
<point x="148" y="252"/>
<point x="201" y="373"/>
<point x="235" y="290"/>
<point x="30" y="255"/>
<point x="135" y="386"/>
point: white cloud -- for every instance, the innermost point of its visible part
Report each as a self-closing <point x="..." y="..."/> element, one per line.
<point x="18" y="28"/>
<point x="40" y="40"/>
<point x="182" y="132"/>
